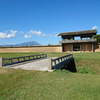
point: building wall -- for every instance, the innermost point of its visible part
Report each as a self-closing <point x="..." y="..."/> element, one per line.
<point x="50" y="48"/>
<point x="64" y="47"/>
<point x="68" y="47"/>
<point x="97" y="47"/>
<point x="83" y="47"/>
<point x="89" y="47"/>
<point x="32" y="49"/>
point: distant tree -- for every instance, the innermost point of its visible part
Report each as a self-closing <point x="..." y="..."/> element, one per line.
<point x="26" y="45"/>
<point x="49" y="44"/>
<point x="11" y="46"/>
<point x="97" y="37"/>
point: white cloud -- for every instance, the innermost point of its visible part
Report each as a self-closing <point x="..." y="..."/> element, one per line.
<point x="56" y="35"/>
<point x="21" y="32"/>
<point x="38" y="33"/>
<point x="5" y="35"/>
<point x="43" y="34"/>
<point x="50" y="36"/>
<point x="10" y="43"/>
<point x="27" y="36"/>
<point x="93" y="28"/>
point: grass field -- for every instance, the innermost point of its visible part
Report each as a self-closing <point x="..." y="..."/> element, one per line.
<point x="57" y="85"/>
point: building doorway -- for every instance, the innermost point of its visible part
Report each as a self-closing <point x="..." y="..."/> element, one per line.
<point x="76" y="47"/>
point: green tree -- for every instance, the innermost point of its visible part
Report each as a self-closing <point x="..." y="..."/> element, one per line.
<point x="49" y="44"/>
<point x="97" y="37"/>
<point x="26" y="45"/>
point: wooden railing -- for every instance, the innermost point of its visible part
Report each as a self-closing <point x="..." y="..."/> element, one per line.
<point x="58" y="62"/>
<point x="9" y="61"/>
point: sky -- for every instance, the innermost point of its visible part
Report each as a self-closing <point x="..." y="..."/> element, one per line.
<point x="42" y="20"/>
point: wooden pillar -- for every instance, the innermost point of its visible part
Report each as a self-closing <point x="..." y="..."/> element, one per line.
<point x="73" y="37"/>
<point x="80" y="47"/>
<point x="86" y="47"/>
<point x="92" y="47"/>
<point x="81" y="38"/>
<point x="62" y="48"/>
<point x="66" y="47"/>
<point x="72" y="47"/>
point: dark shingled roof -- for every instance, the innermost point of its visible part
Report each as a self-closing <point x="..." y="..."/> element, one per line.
<point x="78" y="33"/>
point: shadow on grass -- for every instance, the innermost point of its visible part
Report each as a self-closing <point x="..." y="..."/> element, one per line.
<point x="70" y="66"/>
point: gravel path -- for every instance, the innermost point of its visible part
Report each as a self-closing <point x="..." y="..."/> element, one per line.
<point x="40" y="64"/>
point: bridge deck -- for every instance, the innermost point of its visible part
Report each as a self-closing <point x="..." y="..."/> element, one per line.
<point x="40" y="64"/>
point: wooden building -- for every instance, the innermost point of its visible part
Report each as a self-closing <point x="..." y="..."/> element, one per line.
<point x="81" y="41"/>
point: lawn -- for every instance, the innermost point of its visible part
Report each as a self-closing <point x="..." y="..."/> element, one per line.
<point x="57" y="85"/>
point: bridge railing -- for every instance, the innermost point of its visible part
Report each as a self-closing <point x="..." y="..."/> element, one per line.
<point x="14" y="60"/>
<point x="58" y="62"/>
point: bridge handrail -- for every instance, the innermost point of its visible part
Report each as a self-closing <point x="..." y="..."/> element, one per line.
<point x="62" y="57"/>
<point x="58" y="61"/>
<point x="23" y="56"/>
<point x="38" y="56"/>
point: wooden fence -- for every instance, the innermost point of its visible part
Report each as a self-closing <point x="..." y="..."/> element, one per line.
<point x="59" y="62"/>
<point x="9" y="61"/>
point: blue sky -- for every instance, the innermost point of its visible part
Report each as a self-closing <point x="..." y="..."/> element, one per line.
<point x="41" y="20"/>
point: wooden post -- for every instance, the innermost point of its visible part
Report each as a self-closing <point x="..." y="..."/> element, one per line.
<point x="92" y="47"/>
<point x="1" y="61"/>
<point x="45" y="54"/>
<point x="49" y="64"/>
<point x="11" y="61"/>
<point x="66" y="47"/>
<point x="80" y="47"/>
<point x="24" y="58"/>
<point x="72" y="47"/>
<point x="62" y="48"/>
<point x="73" y="37"/>
<point x="18" y="59"/>
<point x="71" y="54"/>
<point x="36" y="56"/>
<point x="86" y="47"/>
<point x="54" y="62"/>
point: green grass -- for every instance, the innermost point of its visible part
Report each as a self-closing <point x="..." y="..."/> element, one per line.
<point x="88" y="61"/>
<point x="58" y="85"/>
<point x="85" y="62"/>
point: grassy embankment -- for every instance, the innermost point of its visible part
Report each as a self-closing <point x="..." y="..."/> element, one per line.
<point x="58" y="85"/>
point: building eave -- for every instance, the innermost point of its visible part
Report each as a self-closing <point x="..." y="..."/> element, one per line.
<point x="78" y="33"/>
